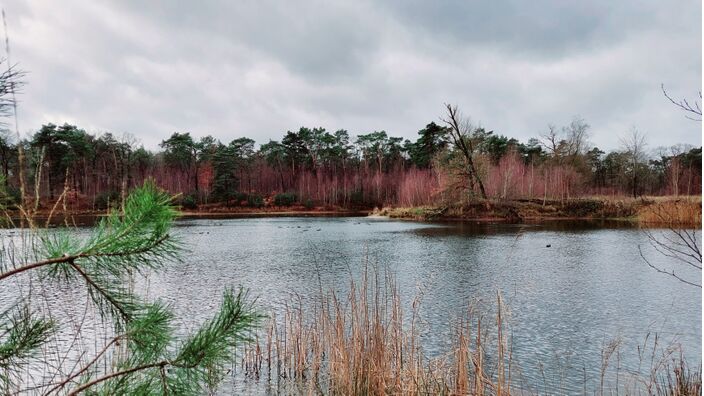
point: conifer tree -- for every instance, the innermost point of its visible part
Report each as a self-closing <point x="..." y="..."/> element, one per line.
<point x="143" y="354"/>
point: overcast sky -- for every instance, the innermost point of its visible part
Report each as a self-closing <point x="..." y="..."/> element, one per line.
<point x="259" y="68"/>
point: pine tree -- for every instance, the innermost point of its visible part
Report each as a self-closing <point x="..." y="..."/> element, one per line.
<point x="143" y="355"/>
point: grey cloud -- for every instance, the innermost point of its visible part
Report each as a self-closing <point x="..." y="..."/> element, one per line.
<point x="258" y="69"/>
<point x="541" y="28"/>
<point x="314" y="38"/>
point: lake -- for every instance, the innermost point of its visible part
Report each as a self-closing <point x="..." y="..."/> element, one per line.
<point x="566" y="301"/>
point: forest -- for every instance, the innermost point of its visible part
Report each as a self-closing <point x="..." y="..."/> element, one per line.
<point x="451" y="160"/>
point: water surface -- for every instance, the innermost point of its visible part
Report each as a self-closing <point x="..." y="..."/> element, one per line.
<point x="566" y="301"/>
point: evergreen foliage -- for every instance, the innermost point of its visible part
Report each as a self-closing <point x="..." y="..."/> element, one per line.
<point x="285" y="199"/>
<point x="432" y="139"/>
<point x="146" y="357"/>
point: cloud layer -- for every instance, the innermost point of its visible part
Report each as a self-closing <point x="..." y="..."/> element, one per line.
<point x="260" y="68"/>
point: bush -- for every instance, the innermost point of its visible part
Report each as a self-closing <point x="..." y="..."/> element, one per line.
<point x="357" y="198"/>
<point x="255" y="201"/>
<point x="106" y="200"/>
<point x="230" y="197"/>
<point x="284" y="199"/>
<point x="309" y="203"/>
<point x="239" y="196"/>
<point x="189" y="202"/>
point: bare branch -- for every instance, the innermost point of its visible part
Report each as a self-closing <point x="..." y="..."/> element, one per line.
<point x="662" y="271"/>
<point x="684" y="105"/>
<point x="90" y="364"/>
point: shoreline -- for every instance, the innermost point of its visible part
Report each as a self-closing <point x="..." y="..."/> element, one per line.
<point x="645" y="211"/>
<point x="274" y="213"/>
<point x="660" y="211"/>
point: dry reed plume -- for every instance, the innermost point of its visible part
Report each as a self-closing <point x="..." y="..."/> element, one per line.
<point x="359" y="345"/>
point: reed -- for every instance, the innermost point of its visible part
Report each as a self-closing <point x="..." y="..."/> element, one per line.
<point x="684" y="211"/>
<point x="679" y="379"/>
<point x="361" y="343"/>
<point x="364" y="343"/>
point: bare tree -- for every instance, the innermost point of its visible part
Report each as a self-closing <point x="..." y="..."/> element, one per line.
<point x="460" y="131"/>
<point x="634" y="143"/>
<point x="676" y="242"/>
<point x="673" y="166"/>
<point x="680" y="244"/>
<point x="552" y="142"/>
<point x="576" y="135"/>
<point x="568" y="142"/>
<point x="693" y="110"/>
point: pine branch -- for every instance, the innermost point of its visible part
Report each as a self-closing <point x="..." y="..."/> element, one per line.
<point x="147" y="335"/>
<point x="85" y="368"/>
<point x="68" y="259"/>
<point x="137" y="239"/>
<point x="207" y="349"/>
<point x="22" y="336"/>
<point x="128" y="371"/>
<point x="103" y="292"/>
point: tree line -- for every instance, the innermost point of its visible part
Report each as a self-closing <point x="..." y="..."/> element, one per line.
<point x="450" y="160"/>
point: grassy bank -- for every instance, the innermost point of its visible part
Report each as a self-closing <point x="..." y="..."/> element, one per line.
<point x="645" y="210"/>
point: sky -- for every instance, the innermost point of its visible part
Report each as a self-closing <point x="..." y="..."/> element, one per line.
<point x="258" y="68"/>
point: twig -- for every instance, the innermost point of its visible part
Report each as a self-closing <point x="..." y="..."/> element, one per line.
<point x="86" y="367"/>
<point x="662" y="271"/>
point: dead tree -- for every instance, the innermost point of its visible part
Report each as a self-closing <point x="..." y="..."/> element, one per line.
<point x="460" y="132"/>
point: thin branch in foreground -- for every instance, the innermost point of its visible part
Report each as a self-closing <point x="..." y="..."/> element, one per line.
<point x="85" y="368"/>
<point x="685" y="105"/>
<point x="662" y="271"/>
<point x="106" y="377"/>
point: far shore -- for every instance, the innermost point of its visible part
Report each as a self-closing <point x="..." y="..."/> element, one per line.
<point x="275" y="213"/>
<point x="646" y="211"/>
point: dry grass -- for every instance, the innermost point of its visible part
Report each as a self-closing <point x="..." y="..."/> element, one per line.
<point x="361" y="344"/>
<point x="685" y="211"/>
<point x="649" y="211"/>
<point x="678" y="379"/>
<point x="415" y="213"/>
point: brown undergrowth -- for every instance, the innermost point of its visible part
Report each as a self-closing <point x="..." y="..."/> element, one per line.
<point x="652" y="211"/>
<point x="682" y="211"/>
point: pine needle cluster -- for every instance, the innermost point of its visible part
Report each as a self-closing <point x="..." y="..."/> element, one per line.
<point x="145" y="356"/>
